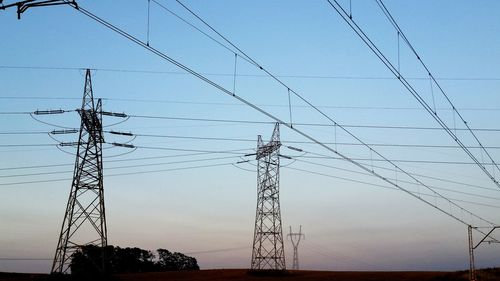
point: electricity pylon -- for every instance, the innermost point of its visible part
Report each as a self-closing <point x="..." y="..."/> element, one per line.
<point x="487" y="238"/>
<point x="472" y="268"/>
<point x="268" y="252"/>
<point x="295" y="243"/>
<point x="85" y="221"/>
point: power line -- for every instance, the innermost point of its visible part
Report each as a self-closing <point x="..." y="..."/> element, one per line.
<point x="391" y="19"/>
<point x="299" y="158"/>
<point x="226" y="91"/>
<point x="252" y="140"/>
<point x="300" y="142"/>
<point x="174" y="162"/>
<point x="395" y="71"/>
<point x="122" y="167"/>
<point x="218" y="250"/>
<point x="392" y="170"/>
<point x="25" y="259"/>
<point x="26" y="145"/>
<point x="234" y="151"/>
<point x="195" y="27"/>
<point x="119" y="160"/>
<point x="124" y="174"/>
<point x="195" y="137"/>
<point x="301" y="76"/>
<point x="219" y="103"/>
<point x="32" y="115"/>
<point x="236" y="104"/>
<point x="398" y="127"/>
<point x="37" y="174"/>
<point x="400" y="180"/>
<point x="187" y="253"/>
<point x="245" y="140"/>
<point x="36" y="166"/>
<point x="302" y="124"/>
<point x="428" y="177"/>
<point x="163" y="156"/>
<point x="34" y="182"/>
<point x="172" y="169"/>
<point x="303" y="142"/>
<point x="399" y="160"/>
<point x="24" y="133"/>
<point x="318" y="110"/>
<point x="14" y="112"/>
<point x="34" y="98"/>
<point x="388" y="187"/>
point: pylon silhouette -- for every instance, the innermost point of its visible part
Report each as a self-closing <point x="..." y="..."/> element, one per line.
<point x="295" y="238"/>
<point x="84" y="220"/>
<point x="268" y="251"/>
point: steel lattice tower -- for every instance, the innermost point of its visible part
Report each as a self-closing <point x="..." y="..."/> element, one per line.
<point x="268" y="251"/>
<point x="472" y="269"/>
<point x="295" y="244"/>
<point x="85" y="221"/>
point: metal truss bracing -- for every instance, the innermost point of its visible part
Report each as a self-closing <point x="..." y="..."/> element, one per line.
<point x="268" y="251"/>
<point x="472" y="269"/>
<point x="487" y="238"/>
<point x="85" y="221"/>
<point x="295" y="238"/>
<point x="22" y="6"/>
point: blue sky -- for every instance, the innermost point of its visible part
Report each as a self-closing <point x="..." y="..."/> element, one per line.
<point x="348" y="225"/>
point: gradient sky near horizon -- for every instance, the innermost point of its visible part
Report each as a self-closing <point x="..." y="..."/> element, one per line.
<point x="351" y="220"/>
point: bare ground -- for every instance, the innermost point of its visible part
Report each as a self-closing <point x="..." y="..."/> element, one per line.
<point x="243" y="275"/>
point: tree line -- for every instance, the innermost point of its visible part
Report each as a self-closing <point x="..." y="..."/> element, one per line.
<point x="90" y="261"/>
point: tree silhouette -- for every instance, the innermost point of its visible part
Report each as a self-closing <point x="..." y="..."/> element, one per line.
<point x="127" y="260"/>
<point x="175" y="261"/>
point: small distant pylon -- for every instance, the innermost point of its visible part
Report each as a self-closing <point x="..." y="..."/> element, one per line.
<point x="295" y="238"/>
<point x="84" y="220"/>
<point x="472" y="269"/>
<point x="268" y="252"/>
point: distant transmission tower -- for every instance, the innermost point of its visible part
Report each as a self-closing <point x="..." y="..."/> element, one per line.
<point x="85" y="221"/>
<point x="295" y="238"/>
<point x="487" y="238"/>
<point x="472" y="268"/>
<point x="268" y="251"/>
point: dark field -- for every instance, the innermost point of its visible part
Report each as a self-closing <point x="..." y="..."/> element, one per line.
<point x="241" y="274"/>
<point x="303" y="275"/>
<point x="230" y="275"/>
